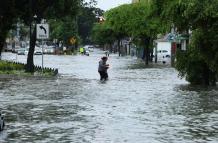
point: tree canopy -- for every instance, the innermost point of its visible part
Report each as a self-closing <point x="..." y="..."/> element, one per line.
<point x="199" y="64"/>
<point x="136" y="21"/>
<point x="86" y="19"/>
<point x="24" y="10"/>
<point x="103" y="34"/>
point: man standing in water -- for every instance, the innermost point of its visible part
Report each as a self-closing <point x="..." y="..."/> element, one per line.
<point x="102" y="68"/>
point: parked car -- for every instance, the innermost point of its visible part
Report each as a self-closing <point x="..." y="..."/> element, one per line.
<point x="49" y="50"/>
<point x="163" y="56"/>
<point x="163" y="53"/>
<point x="22" y="51"/>
<point x="89" y="48"/>
<point x="38" y="51"/>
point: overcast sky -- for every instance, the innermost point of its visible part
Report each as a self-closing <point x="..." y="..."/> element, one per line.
<point x="108" y="4"/>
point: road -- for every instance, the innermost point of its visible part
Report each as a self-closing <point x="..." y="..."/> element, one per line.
<point x="136" y="105"/>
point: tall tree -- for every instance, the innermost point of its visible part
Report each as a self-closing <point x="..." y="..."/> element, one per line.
<point x="25" y="10"/>
<point x="86" y="19"/>
<point x="116" y="19"/>
<point x="135" y="20"/>
<point x="199" y="64"/>
<point x="7" y="17"/>
<point x="58" y="9"/>
<point x="103" y="34"/>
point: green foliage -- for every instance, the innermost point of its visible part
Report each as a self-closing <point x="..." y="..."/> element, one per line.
<point x="86" y="19"/>
<point x="200" y="63"/>
<point x="7" y="18"/>
<point x="103" y="34"/>
<point x="12" y="10"/>
<point x="173" y="14"/>
<point x="18" y="69"/>
<point x="61" y="8"/>
<point x="190" y="65"/>
<point x="57" y="28"/>
<point x="135" y="20"/>
<point x="71" y="25"/>
<point x="8" y="66"/>
<point x="69" y="29"/>
<point x="117" y="18"/>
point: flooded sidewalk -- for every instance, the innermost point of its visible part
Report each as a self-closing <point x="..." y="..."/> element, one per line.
<point x="136" y="105"/>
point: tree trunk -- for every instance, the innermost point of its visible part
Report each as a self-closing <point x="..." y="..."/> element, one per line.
<point x="2" y="38"/>
<point x="213" y="78"/>
<point x="119" y="47"/>
<point x="146" y="55"/>
<point x="111" y="48"/>
<point x="1" y="47"/>
<point x="206" y="76"/>
<point x="146" y="49"/>
<point x="30" y="62"/>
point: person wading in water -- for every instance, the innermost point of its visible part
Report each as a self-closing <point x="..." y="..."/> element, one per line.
<point x="102" y="68"/>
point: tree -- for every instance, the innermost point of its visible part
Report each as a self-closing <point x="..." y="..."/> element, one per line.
<point x="7" y="18"/>
<point x="12" y="10"/>
<point x="58" y="9"/>
<point x="116" y="19"/>
<point x="102" y="34"/>
<point x="78" y="26"/>
<point x="199" y="64"/>
<point x="137" y="21"/>
<point x="86" y="19"/>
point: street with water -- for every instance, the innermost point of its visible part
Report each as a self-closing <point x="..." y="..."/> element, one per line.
<point x="136" y="105"/>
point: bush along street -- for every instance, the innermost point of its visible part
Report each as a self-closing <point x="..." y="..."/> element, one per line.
<point x="15" y="68"/>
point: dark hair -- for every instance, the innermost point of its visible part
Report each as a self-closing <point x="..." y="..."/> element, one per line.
<point x="104" y="58"/>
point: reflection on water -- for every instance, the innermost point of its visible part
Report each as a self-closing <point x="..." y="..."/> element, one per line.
<point x="136" y="105"/>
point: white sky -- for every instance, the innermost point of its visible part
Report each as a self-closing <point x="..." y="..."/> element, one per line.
<point x="108" y="4"/>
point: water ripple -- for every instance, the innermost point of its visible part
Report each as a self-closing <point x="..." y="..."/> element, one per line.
<point x="136" y="105"/>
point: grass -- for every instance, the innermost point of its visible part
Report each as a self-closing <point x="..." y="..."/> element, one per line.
<point x="11" y="68"/>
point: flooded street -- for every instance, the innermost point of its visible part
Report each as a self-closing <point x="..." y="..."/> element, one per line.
<point x="136" y="105"/>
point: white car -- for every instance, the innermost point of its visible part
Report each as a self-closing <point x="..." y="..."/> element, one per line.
<point x="164" y="53"/>
<point x="90" y="48"/>
<point x="22" y="51"/>
<point x="38" y="51"/>
<point x="48" y="50"/>
<point x="87" y="52"/>
<point x="163" y="56"/>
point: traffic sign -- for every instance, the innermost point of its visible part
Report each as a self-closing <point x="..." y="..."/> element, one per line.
<point x="72" y="40"/>
<point x="42" y="31"/>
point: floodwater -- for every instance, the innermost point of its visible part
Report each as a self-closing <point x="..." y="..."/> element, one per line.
<point x="136" y="105"/>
